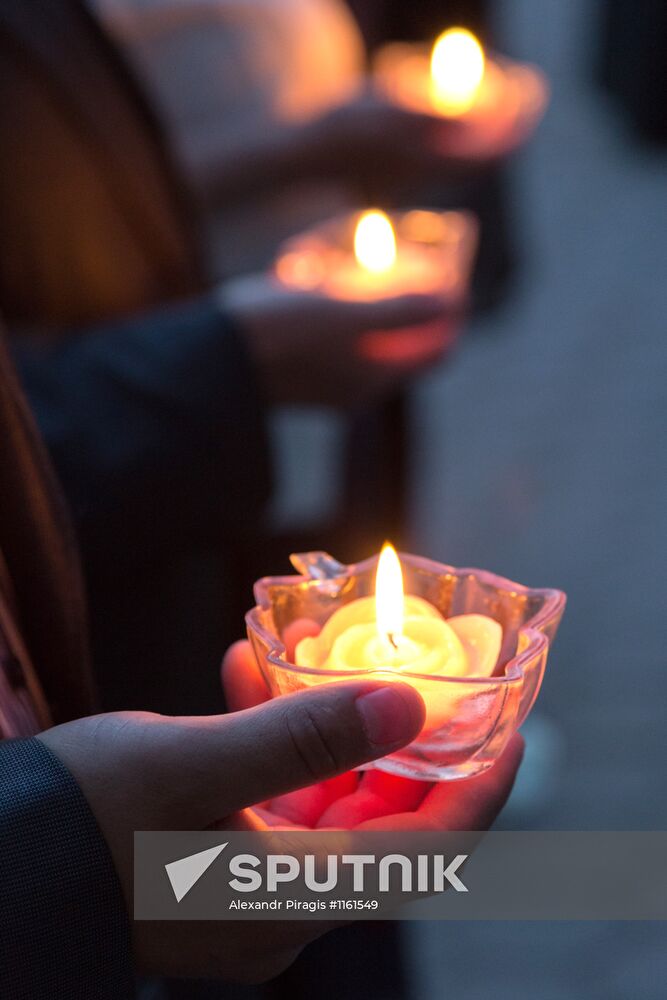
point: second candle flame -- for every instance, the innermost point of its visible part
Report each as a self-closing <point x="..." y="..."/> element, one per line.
<point x="375" y="242"/>
<point x="457" y="70"/>
<point x="389" y="595"/>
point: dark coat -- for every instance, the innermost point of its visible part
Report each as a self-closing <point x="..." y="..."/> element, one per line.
<point x="64" y="931"/>
<point x="140" y="384"/>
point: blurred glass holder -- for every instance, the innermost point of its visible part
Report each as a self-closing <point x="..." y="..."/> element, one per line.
<point x="508" y="104"/>
<point x="481" y="713"/>
<point x="433" y="254"/>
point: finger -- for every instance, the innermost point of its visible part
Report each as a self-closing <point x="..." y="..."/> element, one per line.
<point x="415" y="121"/>
<point x="305" y="806"/>
<point x="225" y="763"/>
<point x="409" y="347"/>
<point x="245" y="687"/>
<point x="269" y="819"/>
<point x="295" y="632"/>
<point x="242" y="821"/>
<point x="402" y="311"/>
<point x="242" y="679"/>
<point x="379" y="794"/>
<point x="469" y="804"/>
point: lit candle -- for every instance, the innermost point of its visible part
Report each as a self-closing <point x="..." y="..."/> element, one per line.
<point x="479" y="678"/>
<point x="375" y="243"/>
<point x="370" y="256"/>
<point x="499" y="101"/>
<point x="405" y="635"/>
<point x="457" y="71"/>
<point x="381" y="266"/>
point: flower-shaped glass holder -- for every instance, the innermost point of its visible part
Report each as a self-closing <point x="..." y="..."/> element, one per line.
<point x="477" y="715"/>
<point x="435" y="254"/>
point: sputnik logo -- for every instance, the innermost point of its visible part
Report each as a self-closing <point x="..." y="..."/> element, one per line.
<point x="186" y="872"/>
<point x="430" y="875"/>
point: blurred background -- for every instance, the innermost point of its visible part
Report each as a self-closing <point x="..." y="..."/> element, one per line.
<point x="537" y="451"/>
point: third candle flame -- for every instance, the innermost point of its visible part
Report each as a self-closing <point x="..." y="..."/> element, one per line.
<point x="457" y="70"/>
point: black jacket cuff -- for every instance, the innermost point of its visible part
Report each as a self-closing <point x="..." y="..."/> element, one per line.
<point x="64" y="930"/>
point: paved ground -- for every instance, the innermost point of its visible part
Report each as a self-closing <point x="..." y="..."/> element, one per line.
<point x="542" y="456"/>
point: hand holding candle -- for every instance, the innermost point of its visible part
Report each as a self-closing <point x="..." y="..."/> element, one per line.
<point x="370" y="257"/>
<point x="497" y="102"/>
<point x="309" y="348"/>
<point x="473" y="644"/>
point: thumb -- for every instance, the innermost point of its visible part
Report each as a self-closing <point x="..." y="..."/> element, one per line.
<point x="402" y="311"/>
<point x="230" y="762"/>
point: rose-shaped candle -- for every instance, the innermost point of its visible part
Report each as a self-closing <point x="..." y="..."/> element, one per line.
<point x="497" y="102"/>
<point x="403" y="634"/>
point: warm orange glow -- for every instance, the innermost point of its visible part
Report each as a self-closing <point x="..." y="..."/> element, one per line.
<point x="303" y="269"/>
<point x="457" y="70"/>
<point x="389" y="601"/>
<point x="375" y="242"/>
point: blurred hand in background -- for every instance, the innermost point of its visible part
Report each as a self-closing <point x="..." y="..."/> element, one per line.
<point x="312" y="349"/>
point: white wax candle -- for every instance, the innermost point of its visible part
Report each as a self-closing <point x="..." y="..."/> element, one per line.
<point x="464" y="645"/>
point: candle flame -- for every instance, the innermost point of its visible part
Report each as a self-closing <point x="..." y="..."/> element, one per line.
<point x="375" y="242"/>
<point x="389" y="595"/>
<point x="457" y="69"/>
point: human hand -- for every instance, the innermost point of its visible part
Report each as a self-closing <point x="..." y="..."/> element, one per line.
<point x="373" y="142"/>
<point x="312" y="349"/>
<point x="371" y="800"/>
<point x="140" y="771"/>
<point x="367" y="142"/>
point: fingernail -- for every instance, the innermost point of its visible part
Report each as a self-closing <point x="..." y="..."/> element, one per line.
<point x="390" y="715"/>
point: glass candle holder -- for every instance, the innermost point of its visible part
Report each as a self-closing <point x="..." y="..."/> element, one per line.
<point x="434" y="254"/>
<point x="476" y="716"/>
<point x="507" y="107"/>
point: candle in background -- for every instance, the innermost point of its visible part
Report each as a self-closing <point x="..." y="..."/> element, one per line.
<point x="499" y="101"/>
<point x="371" y="255"/>
<point x="404" y="635"/>
<point x="375" y="243"/>
<point x="457" y="70"/>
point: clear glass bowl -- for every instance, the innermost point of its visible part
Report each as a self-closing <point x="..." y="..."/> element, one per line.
<point x="509" y="105"/>
<point x="481" y="713"/>
<point x="435" y="254"/>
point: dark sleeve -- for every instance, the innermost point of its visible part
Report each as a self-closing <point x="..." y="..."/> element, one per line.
<point x="64" y="930"/>
<point x="153" y="422"/>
